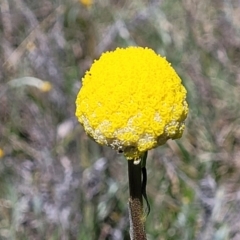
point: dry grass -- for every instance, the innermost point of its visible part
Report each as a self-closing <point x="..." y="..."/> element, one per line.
<point x="56" y="183"/>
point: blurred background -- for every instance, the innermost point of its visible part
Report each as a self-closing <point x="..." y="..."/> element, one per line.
<point x="55" y="182"/>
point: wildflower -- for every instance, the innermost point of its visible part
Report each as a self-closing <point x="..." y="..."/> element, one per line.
<point x="1" y="153"/>
<point x="132" y="100"/>
<point x="43" y="86"/>
<point x="86" y="2"/>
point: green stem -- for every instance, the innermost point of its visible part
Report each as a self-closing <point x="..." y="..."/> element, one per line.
<point x="137" y="230"/>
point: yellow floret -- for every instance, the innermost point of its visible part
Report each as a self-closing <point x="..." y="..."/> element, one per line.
<point x="132" y="100"/>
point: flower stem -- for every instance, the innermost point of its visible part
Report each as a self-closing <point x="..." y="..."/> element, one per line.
<point x="137" y="230"/>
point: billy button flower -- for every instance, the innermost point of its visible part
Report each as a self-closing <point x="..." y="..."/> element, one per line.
<point x="86" y="3"/>
<point x="132" y="100"/>
<point x="1" y="153"/>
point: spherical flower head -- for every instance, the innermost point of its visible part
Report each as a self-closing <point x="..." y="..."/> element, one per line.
<point x="46" y="86"/>
<point x="1" y="153"/>
<point x="86" y="3"/>
<point x="132" y="100"/>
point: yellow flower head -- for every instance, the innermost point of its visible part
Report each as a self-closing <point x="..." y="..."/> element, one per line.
<point x="86" y="2"/>
<point x="132" y="100"/>
<point x="1" y="153"/>
<point x="46" y="86"/>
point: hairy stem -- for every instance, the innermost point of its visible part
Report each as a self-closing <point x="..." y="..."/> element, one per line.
<point x="137" y="230"/>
